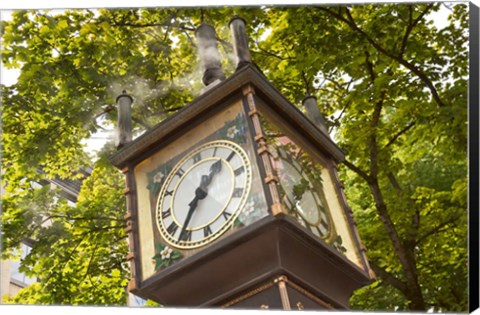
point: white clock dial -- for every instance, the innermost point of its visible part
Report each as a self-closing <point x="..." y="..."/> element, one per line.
<point x="302" y="195"/>
<point x="306" y="204"/>
<point x="203" y="194"/>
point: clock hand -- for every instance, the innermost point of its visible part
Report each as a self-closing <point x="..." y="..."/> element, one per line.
<point x="193" y="205"/>
<point x="200" y="193"/>
<point x="215" y="168"/>
<point x="202" y="190"/>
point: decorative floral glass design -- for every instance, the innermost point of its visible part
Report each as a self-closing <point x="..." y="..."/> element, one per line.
<point x="233" y="129"/>
<point x="165" y="256"/>
<point x="301" y="185"/>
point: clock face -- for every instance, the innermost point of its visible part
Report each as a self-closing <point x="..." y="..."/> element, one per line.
<point x="301" y="195"/>
<point x="203" y="194"/>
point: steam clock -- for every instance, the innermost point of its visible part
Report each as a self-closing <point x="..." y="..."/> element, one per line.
<point x="235" y="201"/>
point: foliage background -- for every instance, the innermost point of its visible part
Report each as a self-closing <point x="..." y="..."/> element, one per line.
<point x="392" y="86"/>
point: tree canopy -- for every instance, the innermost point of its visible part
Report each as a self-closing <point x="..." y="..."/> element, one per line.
<point x="391" y="84"/>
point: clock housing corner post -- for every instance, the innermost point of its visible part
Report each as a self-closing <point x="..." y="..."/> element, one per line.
<point x="270" y="179"/>
<point x="131" y="218"/>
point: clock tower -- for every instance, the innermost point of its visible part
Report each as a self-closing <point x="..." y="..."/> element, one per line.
<point x="235" y="201"/>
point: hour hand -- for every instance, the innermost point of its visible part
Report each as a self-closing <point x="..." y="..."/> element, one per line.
<point x="215" y="168"/>
<point x="200" y="193"/>
<point x="207" y="179"/>
<point x="202" y="190"/>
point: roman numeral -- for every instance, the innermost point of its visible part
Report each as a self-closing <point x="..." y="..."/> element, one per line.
<point x="324" y="224"/>
<point x="226" y="215"/>
<point x="214" y="151"/>
<point x="180" y="172"/>
<point x="172" y="228"/>
<point x="239" y="170"/>
<point x="232" y="154"/>
<point x="322" y="232"/>
<point x="168" y="193"/>
<point x="197" y="157"/>
<point x="166" y="213"/>
<point x="186" y="236"/>
<point x="298" y="167"/>
<point x="207" y="231"/>
<point x="237" y="193"/>
<point x="285" y="155"/>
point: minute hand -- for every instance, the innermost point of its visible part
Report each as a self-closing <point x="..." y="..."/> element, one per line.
<point x="214" y="169"/>
<point x="200" y="193"/>
<point x="202" y="190"/>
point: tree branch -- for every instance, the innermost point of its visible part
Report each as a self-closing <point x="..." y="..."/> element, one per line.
<point x="343" y="111"/>
<point x="373" y="137"/>
<point x="227" y="46"/>
<point x="424" y="12"/>
<point x="401" y="132"/>
<point x="407" y="31"/>
<point x="439" y="228"/>
<point x="87" y="272"/>
<point x="127" y="24"/>
<point x="369" y="66"/>
<point x="413" y="292"/>
<point x="306" y="82"/>
<point x="67" y="217"/>
<point x="388" y="277"/>
<point x="411" y="25"/>
<point x="268" y="53"/>
<point x="142" y="123"/>
<point x="357" y="170"/>
<point x="411" y="237"/>
<point x="419" y="73"/>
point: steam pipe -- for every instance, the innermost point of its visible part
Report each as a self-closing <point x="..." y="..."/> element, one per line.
<point x="209" y="56"/>
<point x="124" y="124"/>
<point x="314" y="114"/>
<point x="240" y="41"/>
